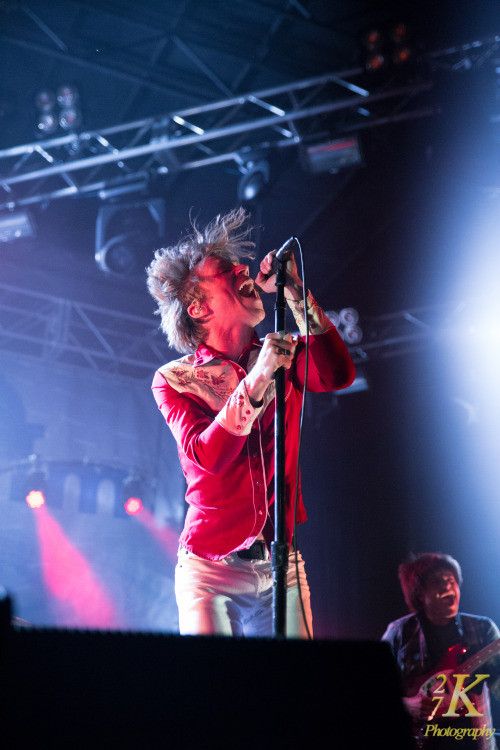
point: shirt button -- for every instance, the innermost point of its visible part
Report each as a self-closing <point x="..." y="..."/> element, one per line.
<point x="238" y="427"/>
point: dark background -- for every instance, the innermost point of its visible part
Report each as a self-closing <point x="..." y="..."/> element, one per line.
<point x="398" y="467"/>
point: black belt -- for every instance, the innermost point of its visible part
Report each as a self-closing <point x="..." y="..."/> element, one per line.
<point x="257" y="551"/>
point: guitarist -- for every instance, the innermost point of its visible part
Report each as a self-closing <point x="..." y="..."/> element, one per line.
<point x="421" y="643"/>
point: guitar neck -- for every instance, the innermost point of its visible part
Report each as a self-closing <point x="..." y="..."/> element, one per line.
<point x="477" y="660"/>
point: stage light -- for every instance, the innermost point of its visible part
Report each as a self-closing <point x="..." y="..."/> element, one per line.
<point x="45" y="100"/>
<point x="35" y="491"/>
<point x="352" y="335"/>
<point x="402" y="55"/>
<point x="127" y="235"/>
<point x="346" y="322"/>
<point x="133" y="506"/>
<point x="47" y="123"/>
<point x="375" y="62"/>
<point x="373" y="42"/>
<point x="119" y="255"/>
<point x="403" y="51"/>
<point x="67" y="96"/>
<point x="334" y="317"/>
<point x="59" y="111"/>
<point x="373" y="39"/>
<point x="255" y="175"/>
<point x="349" y="316"/>
<point x="332" y="156"/>
<point x="70" y="118"/>
<point x="35" y="499"/>
<point x="133" y="494"/>
<point x="16" y="225"/>
<point x="399" y="33"/>
<point x="388" y="48"/>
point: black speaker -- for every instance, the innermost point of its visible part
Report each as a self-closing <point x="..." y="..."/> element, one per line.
<point x="118" y="690"/>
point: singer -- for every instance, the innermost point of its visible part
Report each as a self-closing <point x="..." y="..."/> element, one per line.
<point x="218" y="400"/>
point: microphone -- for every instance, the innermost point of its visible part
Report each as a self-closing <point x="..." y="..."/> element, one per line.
<point x="282" y="255"/>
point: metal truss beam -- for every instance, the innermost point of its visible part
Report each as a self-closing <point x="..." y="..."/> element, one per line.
<point x="231" y="130"/>
<point x="58" y="331"/>
<point x="402" y="332"/>
<point x="54" y="331"/>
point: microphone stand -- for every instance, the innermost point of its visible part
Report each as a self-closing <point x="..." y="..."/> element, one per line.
<point x="279" y="547"/>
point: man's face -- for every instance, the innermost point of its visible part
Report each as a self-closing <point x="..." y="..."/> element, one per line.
<point x="229" y="294"/>
<point x="441" y="597"/>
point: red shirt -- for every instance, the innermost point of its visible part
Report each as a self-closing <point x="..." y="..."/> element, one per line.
<point x="226" y="446"/>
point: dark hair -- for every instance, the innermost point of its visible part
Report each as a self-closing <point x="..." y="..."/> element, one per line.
<point x="171" y="280"/>
<point x="415" y="571"/>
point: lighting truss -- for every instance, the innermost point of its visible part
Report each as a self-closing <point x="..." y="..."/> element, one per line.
<point x="112" y="158"/>
<point x="402" y="332"/>
<point x="92" y="162"/>
<point x="57" y="331"/>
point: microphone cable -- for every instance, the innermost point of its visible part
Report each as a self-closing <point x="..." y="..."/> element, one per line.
<point x="301" y="426"/>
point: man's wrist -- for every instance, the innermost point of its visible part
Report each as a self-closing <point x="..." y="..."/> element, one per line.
<point x="256" y="388"/>
<point x="294" y="292"/>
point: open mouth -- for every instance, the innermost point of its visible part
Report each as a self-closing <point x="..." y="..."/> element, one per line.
<point x="447" y="598"/>
<point x="247" y="289"/>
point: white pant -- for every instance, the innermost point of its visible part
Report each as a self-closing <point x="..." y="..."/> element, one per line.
<point x="234" y="597"/>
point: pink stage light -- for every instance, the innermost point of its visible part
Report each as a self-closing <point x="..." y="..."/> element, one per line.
<point x="70" y="579"/>
<point x="133" y="506"/>
<point x="35" y="499"/>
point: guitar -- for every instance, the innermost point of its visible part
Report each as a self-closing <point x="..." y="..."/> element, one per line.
<point x="437" y="684"/>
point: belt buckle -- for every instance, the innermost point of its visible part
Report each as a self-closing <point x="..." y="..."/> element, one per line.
<point x="256" y="551"/>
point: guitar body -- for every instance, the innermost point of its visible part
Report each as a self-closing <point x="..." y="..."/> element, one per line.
<point x="448" y="663"/>
<point x="439" y="685"/>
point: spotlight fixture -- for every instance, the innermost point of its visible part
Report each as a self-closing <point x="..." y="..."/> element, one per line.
<point x="67" y="96"/>
<point x="373" y="39"/>
<point x="373" y="42"/>
<point x="70" y="116"/>
<point x="349" y="316"/>
<point x="375" y="62"/>
<point x="332" y="156"/>
<point x="16" y="225"/>
<point x="58" y="111"/>
<point x="47" y="123"/>
<point x="133" y="506"/>
<point x="255" y="175"/>
<point x="127" y="234"/>
<point x="45" y="100"/>
<point x="133" y="494"/>
<point x="346" y="322"/>
<point x="118" y="255"/>
<point x="36" y="488"/>
<point x="35" y="499"/>
<point x="387" y="48"/>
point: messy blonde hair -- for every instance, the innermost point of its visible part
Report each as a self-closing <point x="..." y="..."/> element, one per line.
<point x="172" y="281"/>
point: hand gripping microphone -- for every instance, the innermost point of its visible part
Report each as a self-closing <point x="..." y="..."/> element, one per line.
<point x="282" y="255"/>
